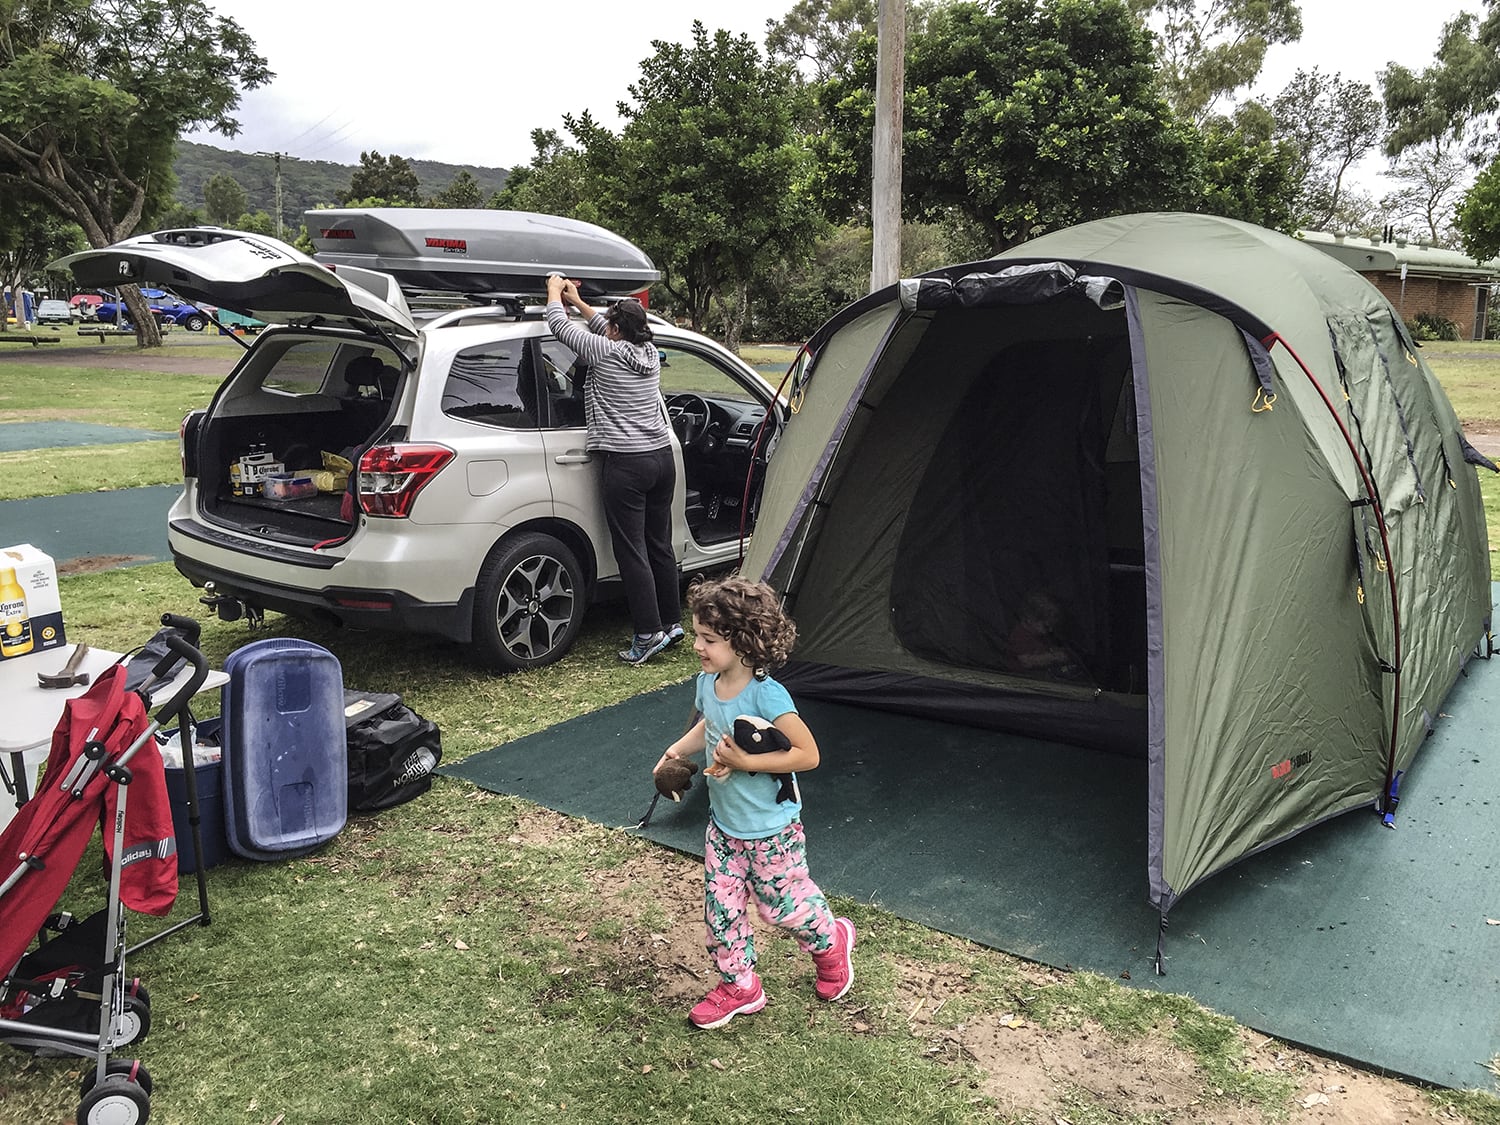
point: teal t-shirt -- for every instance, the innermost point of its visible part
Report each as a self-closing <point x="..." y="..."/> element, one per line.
<point x="743" y="804"/>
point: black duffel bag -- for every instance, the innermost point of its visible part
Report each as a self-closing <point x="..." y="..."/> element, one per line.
<point x="392" y="750"/>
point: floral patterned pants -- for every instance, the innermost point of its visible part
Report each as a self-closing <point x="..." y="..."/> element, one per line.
<point x="775" y="871"/>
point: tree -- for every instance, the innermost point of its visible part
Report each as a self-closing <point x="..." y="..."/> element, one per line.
<point x="224" y="198"/>
<point x="562" y="179"/>
<point x="462" y="192"/>
<point x="31" y="235"/>
<point x="93" y="95"/>
<point x="1246" y="173"/>
<point x="380" y="181"/>
<point x="1478" y="218"/>
<point x="1330" y="123"/>
<point x="821" y="35"/>
<point x="1453" y="96"/>
<point x="708" y="173"/>
<point x="1023" y="115"/>
<point x="1430" y="181"/>
<point x="1208" y="49"/>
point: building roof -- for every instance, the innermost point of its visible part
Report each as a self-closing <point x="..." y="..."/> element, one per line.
<point x="1373" y="255"/>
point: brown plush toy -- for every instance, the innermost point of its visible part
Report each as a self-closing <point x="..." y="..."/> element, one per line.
<point x="675" y="777"/>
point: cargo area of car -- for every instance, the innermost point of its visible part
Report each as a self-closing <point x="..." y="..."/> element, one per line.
<point x="286" y="434"/>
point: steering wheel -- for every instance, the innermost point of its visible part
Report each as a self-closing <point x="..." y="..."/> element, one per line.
<point x="689" y="416"/>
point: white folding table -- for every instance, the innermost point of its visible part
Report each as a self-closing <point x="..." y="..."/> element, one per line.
<point x="32" y="711"/>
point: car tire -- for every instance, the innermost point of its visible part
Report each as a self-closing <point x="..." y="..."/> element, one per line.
<point x="529" y="602"/>
<point x="195" y="323"/>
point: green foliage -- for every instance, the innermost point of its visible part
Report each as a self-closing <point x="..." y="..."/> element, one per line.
<point x="390" y="179"/>
<point x="94" y="93"/>
<point x="707" y="176"/>
<point x="715" y="169"/>
<point x="1208" y="49"/>
<point x="1456" y="95"/>
<point x="1245" y="174"/>
<point x="31" y="235"/>
<point x="1430" y="326"/>
<point x="305" y="184"/>
<point x="561" y="179"/>
<point x="820" y="34"/>
<point x="257" y="223"/>
<point x="790" y="301"/>
<point x="462" y="192"/>
<point x="1329" y="124"/>
<point x="1478" y="219"/>
<point x="180" y="215"/>
<point x="225" y="199"/>
<point x="1025" y="116"/>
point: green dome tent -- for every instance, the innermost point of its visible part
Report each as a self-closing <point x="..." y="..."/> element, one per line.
<point x="1166" y="484"/>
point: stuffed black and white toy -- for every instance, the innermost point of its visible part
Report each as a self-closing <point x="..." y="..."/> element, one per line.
<point x="754" y="735"/>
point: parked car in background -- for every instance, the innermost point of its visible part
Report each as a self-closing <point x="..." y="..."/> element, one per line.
<point x="86" y="305"/>
<point x="53" y="311"/>
<point x="167" y="308"/>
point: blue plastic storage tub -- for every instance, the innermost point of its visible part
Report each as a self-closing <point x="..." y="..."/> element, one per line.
<point x="286" y="784"/>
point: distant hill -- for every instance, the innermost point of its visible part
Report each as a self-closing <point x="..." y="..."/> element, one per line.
<point x="304" y="183"/>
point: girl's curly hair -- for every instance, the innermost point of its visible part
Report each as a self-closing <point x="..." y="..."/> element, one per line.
<point x="749" y="616"/>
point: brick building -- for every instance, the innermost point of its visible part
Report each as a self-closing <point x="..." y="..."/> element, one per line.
<point x="1418" y="278"/>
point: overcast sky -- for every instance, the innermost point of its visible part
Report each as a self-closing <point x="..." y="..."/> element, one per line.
<point x="466" y="82"/>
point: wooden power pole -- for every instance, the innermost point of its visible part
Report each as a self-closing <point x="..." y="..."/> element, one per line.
<point x="885" y="195"/>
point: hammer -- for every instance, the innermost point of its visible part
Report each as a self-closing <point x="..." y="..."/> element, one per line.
<point x="70" y="675"/>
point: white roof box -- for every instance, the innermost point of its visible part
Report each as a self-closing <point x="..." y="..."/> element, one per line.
<point x="478" y="250"/>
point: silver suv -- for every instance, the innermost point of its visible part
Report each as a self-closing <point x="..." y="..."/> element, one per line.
<point x="377" y="468"/>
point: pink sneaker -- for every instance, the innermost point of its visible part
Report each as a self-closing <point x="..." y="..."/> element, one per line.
<point x="836" y="963"/>
<point x="725" y="1002"/>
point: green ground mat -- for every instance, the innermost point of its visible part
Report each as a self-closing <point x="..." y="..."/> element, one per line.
<point x="129" y="524"/>
<point x="51" y="435"/>
<point x="1352" y="939"/>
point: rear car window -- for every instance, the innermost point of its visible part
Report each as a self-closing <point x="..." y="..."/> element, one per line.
<point x="302" y="368"/>
<point x="493" y="384"/>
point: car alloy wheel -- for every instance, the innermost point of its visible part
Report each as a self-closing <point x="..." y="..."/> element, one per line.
<point x="530" y="602"/>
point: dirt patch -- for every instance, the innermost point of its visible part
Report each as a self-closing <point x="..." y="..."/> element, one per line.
<point x="92" y="564"/>
<point x="1484" y="437"/>
<point x="1033" y="1072"/>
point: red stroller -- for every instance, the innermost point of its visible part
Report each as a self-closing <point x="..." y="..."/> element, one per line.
<point x="70" y="995"/>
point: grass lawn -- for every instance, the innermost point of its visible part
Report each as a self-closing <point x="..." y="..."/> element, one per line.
<point x="475" y="958"/>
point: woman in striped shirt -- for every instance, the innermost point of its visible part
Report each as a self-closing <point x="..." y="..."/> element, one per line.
<point x="627" y="424"/>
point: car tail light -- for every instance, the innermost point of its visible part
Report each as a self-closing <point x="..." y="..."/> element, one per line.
<point x="390" y="476"/>
<point x="187" y="443"/>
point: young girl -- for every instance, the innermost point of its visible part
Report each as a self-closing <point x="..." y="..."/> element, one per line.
<point x="754" y="844"/>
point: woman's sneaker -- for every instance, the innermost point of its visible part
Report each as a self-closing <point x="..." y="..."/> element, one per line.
<point x="643" y="649"/>
<point x="675" y="634"/>
<point x="725" y="1002"/>
<point x="836" y="963"/>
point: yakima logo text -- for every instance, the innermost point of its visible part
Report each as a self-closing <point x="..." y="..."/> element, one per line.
<point x="449" y="245"/>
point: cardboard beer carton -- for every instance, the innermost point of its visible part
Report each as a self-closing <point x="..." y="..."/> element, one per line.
<point x="31" y="618"/>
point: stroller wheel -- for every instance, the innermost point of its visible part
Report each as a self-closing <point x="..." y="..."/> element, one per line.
<point x="115" y="1101"/>
<point x="135" y="1021"/>
<point x="128" y="1069"/>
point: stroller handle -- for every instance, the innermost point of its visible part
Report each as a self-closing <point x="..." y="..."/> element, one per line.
<point x="180" y="647"/>
<point x="188" y="626"/>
